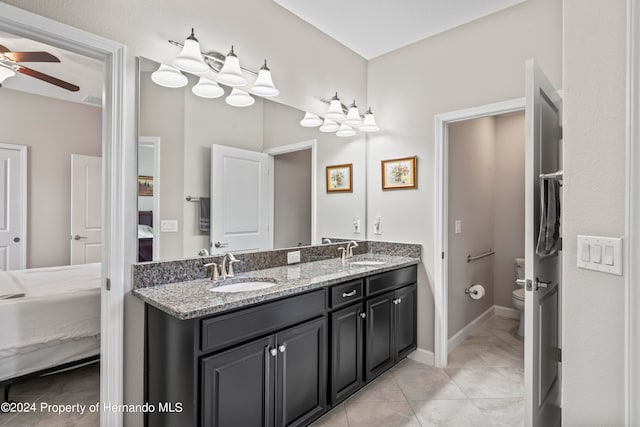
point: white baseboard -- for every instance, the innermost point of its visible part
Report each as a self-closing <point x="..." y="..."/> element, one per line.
<point x="509" y="312"/>
<point x="463" y="333"/>
<point x="423" y="356"/>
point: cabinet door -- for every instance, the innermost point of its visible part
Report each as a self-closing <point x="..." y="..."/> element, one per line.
<point x="405" y="321"/>
<point x="237" y="386"/>
<point x="346" y="352"/>
<point x="301" y="373"/>
<point x="380" y="348"/>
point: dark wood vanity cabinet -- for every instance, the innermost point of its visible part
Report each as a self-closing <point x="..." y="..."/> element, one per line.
<point x="278" y="363"/>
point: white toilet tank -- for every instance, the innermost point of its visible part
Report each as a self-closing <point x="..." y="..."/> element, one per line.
<point x="519" y="266"/>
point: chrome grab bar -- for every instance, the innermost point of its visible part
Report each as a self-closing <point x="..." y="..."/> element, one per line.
<point x="486" y="254"/>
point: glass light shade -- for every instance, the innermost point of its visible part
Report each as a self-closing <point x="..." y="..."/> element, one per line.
<point x="335" y="109"/>
<point x="239" y="98"/>
<point x="329" y="126"/>
<point x="5" y="73"/>
<point x="264" y="84"/>
<point x="168" y="76"/>
<point x="207" y="89"/>
<point x="310" y="120"/>
<point x="231" y="74"/>
<point x="369" y="123"/>
<point x="345" y="131"/>
<point x="353" y="116"/>
<point x="190" y="59"/>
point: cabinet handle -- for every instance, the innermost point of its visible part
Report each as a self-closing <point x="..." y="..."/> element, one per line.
<point x="363" y="315"/>
<point x="396" y="301"/>
<point x="282" y="348"/>
<point x="273" y="352"/>
<point x="399" y="300"/>
<point x="349" y="294"/>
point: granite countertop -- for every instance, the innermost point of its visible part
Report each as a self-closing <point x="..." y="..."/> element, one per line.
<point x="191" y="299"/>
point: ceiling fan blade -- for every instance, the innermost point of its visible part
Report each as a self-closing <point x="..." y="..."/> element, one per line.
<point x="47" y="78"/>
<point x="31" y="57"/>
<point x="3" y="49"/>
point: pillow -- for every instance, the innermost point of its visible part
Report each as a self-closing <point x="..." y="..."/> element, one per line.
<point x="145" y="232"/>
<point x="9" y="287"/>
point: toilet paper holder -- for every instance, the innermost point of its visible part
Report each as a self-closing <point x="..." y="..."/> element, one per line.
<point x="468" y="291"/>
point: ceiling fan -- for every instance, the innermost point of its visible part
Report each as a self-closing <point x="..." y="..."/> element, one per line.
<point x="10" y="61"/>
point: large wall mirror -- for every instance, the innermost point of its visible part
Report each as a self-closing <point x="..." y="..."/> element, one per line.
<point x="178" y="209"/>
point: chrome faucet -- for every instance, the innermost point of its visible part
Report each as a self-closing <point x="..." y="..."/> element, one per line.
<point x="349" y="249"/>
<point x="227" y="271"/>
<point x="214" y="271"/>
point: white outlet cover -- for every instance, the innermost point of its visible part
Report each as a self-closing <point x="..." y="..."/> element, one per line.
<point x="169" y="226"/>
<point x="611" y="247"/>
<point x="293" y="257"/>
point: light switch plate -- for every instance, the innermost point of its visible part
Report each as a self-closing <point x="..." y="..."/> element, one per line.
<point x="458" y="226"/>
<point x="605" y="254"/>
<point x="169" y="226"/>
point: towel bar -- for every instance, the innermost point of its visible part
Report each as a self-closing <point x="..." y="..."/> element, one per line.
<point x="192" y="199"/>
<point x="486" y="254"/>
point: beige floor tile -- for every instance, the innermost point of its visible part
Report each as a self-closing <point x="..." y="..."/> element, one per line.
<point x="427" y="383"/>
<point x="501" y="323"/>
<point x="337" y="417"/>
<point x="381" y="414"/>
<point x="449" y="413"/>
<point x="385" y="389"/>
<point x="488" y="382"/>
<point x="509" y="336"/>
<point x="468" y="356"/>
<point x="502" y="412"/>
<point x="500" y="356"/>
<point x="483" y="335"/>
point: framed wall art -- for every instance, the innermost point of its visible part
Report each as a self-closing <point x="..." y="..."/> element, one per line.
<point x="340" y="178"/>
<point x="398" y="174"/>
<point x="145" y="185"/>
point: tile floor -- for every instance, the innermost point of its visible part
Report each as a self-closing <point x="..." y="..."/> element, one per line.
<point x="483" y="385"/>
<point x="80" y="385"/>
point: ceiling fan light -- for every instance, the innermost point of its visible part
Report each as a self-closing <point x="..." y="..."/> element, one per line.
<point x="345" y="131"/>
<point x="168" y="76"/>
<point x="264" y="84"/>
<point x="239" y="98"/>
<point x="329" y="126"/>
<point x="353" y="116"/>
<point x="335" y="109"/>
<point x="5" y="73"/>
<point x="190" y="58"/>
<point x="369" y="124"/>
<point x="310" y="120"/>
<point x="206" y="88"/>
<point x="231" y="74"/>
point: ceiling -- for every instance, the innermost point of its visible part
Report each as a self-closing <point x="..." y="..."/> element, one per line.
<point x="374" y="27"/>
<point x="84" y="72"/>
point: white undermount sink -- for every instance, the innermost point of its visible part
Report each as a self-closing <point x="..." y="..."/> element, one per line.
<point x="368" y="263"/>
<point x="243" y="286"/>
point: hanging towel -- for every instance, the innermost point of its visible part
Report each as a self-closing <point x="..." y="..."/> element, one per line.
<point x="205" y="212"/>
<point x="549" y="237"/>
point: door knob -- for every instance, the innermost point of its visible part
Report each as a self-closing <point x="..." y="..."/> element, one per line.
<point x="78" y="237"/>
<point x="16" y="240"/>
<point x="220" y="244"/>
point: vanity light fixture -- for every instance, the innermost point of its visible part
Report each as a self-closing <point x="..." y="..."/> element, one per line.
<point x="239" y="98"/>
<point x="310" y="120"/>
<point x="206" y="88"/>
<point x="190" y="58"/>
<point x="5" y="73"/>
<point x="213" y="68"/>
<point x="345" y="131"/>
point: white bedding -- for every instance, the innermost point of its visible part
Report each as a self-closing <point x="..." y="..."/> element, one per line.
<point x="60" y="304"/>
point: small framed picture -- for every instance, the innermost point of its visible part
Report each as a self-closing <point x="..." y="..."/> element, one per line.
<point x="145" y="186"/>
<point x="398" y="174"/>
<point x="339" y="178"/>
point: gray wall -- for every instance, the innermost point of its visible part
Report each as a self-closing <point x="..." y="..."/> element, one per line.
<point x="594" y="303"/>
<point x="292" y="199"/>
<point x="471" y="201"/>
<point x="508" y="236"/>
<point x="52" y="130"/>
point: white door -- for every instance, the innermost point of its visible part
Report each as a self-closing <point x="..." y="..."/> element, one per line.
<point x="543" y="272"/>
<point x="86" y="210"/>
<point x="13" y="207"/>
<point x="241" y="200"/>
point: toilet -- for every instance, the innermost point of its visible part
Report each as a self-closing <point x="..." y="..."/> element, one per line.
<point x="518" y="294"/>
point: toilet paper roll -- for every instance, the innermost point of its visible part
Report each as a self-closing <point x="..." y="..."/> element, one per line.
<point x="477" y="291"/>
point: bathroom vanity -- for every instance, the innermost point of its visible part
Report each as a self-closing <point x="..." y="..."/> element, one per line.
<point x="280" y="356"/>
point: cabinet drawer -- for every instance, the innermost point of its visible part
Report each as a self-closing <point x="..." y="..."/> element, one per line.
<point x="221" y="331"/>
<point x="345" y="293"/>
<point x="391" y="280"/>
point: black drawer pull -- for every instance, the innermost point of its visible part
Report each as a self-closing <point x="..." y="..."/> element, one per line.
<point x="349" y="294"/>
